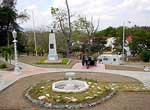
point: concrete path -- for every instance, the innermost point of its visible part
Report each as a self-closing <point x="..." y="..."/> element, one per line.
<point x="7" y="78"/>
<point x="97" y="67"/>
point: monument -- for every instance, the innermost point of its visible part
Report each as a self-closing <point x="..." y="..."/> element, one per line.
<point x="52" y="56"/>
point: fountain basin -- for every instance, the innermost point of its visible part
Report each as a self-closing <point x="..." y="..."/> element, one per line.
<point x="67" y="86"/>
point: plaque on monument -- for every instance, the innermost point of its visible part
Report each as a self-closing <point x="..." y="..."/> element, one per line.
<point x="52" y="56"/>
<point x="51" y="46"/>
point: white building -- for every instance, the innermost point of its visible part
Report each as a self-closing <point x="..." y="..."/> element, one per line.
<point x="110" y="59"/>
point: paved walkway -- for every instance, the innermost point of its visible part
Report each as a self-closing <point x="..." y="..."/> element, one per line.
<point x="97" y="67"/>
<point x="7" y="78"/>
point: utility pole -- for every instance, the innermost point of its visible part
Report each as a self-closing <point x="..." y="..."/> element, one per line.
<point x="123" y="42"/>
<point x="34" y="32"/>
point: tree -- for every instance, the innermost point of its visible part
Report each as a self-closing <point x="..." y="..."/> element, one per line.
<point x="82" y="24"/>
<point x="70" y="29"/>
<point x="8" y="17"/>
<point x="63" y="22"/>
<point x="145" y="55"/>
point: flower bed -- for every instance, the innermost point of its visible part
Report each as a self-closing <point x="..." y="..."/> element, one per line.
<point x="41" y="94"/>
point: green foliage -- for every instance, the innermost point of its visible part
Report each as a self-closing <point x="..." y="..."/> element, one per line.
<point x="8" y="17"/>
<point x="145" y="55"/>
<point x="54" y="10"/>
<point x="64" y="61"/>
<point x="139" y="35"/>
<point x="3" y="65"/>
<point x="7" y="53"/>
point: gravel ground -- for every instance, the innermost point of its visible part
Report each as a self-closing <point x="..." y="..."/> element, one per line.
<point x="13" y="97"/>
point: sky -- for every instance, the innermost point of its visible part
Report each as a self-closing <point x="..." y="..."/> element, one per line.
<point x="110" y="12"/>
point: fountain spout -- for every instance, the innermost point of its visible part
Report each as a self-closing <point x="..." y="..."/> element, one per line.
<point x="70" y="75"/>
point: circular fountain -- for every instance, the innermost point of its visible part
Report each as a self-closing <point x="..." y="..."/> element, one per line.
<point x="70" y="85"/>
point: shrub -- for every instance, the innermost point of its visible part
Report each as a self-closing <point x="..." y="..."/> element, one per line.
<point x="7" y="53"/>
<point x="145" y="55"/>
<point x="3" y="65"/>
<point x="65" y="61"/>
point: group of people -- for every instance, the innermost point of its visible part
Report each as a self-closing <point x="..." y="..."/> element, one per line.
<point x="88" y="61"/>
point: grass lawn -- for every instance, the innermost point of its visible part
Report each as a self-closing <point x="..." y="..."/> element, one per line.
<point x="33" y="60"/>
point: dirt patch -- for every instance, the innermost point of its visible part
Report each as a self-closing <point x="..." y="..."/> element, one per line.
<point x="9" y="67"/>
<point x="126" y="68"/>
<point x="13" y="97"/>
<point x="126" y="101"/>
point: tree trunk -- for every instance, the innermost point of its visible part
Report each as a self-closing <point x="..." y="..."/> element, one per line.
<point x="70" y="30"/>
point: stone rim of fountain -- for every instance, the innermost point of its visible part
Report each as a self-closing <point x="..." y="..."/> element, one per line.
<point x="70" y="85"/>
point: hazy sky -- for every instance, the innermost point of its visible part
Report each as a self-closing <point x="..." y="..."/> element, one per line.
<point x="110" y="12"/>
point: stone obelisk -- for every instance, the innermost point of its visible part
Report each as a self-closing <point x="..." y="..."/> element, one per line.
<point x="52" y="56"/>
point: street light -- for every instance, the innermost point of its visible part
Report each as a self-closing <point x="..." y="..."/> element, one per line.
<point x="17" y="69"/>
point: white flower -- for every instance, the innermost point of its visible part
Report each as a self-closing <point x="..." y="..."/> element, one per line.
<point x="41" y="97"/>
<point x="89" y="83"/>
<point x="99" y="88"/>
<point x="42" y="87"/>
<point x="88" y="97"/>
<point x="99" y="92"/>
<point x="47" y="95"/>
<point x="74" y="100"/>
<point x="67" y="98"/>
<point x="93" y="86"/>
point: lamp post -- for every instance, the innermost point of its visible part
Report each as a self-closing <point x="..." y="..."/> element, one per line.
<point x="17" y="69"/>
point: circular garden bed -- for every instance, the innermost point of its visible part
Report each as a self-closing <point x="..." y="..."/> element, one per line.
<point x="42" y="94"/>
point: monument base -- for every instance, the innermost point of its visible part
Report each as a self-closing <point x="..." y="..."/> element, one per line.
<point x="52" y="57"/>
